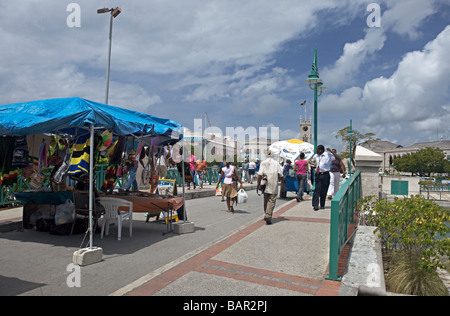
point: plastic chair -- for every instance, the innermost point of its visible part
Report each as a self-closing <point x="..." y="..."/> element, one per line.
<point x="112" y="212"/>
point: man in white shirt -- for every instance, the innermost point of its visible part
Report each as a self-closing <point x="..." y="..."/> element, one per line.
<point x="322" y="161"/>
<point x="270" y="170"/>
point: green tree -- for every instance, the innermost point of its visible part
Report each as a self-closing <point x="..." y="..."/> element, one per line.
<point x="357" y="139"/>
<point x="423" y="163"/>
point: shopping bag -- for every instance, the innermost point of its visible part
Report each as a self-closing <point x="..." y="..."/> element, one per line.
<point x="242" y="196"/>
<point x="64" y="213"/>
<point x="219" y="190"/>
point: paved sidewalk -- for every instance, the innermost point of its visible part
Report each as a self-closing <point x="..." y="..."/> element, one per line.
<point x="287" y="258"/>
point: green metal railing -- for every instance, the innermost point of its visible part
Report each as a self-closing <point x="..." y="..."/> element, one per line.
<point x="343" y="208"/>
<point x="211" y="176"/>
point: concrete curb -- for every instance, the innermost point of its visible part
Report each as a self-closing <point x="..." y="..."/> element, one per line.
<point x="365" y="272"/>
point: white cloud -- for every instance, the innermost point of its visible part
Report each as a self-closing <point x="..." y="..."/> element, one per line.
<point x="406" y="16"/>
<point x="186" y="39"/>
<point x="417" y="92"/>
<point x="403" y="17"/>
<point x="349" y="99"/>
<point x="347" y="67"/>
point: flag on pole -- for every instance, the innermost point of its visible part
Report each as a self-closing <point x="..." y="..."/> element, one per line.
<point x="303" y="103"/>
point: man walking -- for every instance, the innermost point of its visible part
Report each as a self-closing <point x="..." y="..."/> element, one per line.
<point x="335" y="174"/>
<point x="322" y="161"/>
<point x="270" y="171"/>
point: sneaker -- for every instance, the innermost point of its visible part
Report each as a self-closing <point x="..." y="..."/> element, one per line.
<point x="268" y="221"/>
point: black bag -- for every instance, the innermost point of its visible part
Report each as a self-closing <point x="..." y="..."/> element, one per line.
<point x="263" y="186"/>
<point x="64" y="229"/>
<point x="20" y="157"/>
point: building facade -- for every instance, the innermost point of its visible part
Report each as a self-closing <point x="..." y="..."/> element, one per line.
<point x="389" y="151"/>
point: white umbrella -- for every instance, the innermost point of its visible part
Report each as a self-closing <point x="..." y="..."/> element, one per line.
<point x="291" y="149"/>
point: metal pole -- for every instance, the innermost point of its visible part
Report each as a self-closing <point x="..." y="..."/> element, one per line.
<point x="315" y="117"/>
<point x="109" y="59"/>
<point x="184" y="180"/>
<point x="91" y="187"/>
<point x="350" y="133"/>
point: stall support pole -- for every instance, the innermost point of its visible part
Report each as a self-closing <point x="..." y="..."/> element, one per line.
<point x="91" y="188"/>
<point x="89" y="255"/>
<point x="184" y="180"/>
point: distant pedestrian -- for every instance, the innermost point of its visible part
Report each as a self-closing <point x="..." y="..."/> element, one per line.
<point x="201" y="169"/>
<point x="192" y="171"/>
<point x="251" y="170"/>
<point x="270" y="171"/>
<point x="162" y="162"/>
<point x="287" y="167"/>
<point x="335" y="174"/>
<point x="322" y="161"/>
<point x="229" y="186"/>
<point x="301" y="171"/>
<point x="245" y="175"/>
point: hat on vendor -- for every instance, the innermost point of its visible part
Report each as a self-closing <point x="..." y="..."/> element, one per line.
<point x="107" y="138"/>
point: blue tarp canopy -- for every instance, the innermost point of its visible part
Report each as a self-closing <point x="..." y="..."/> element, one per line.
<point x="67" y="114"/>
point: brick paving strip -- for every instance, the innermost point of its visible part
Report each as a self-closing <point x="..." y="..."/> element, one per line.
<point x="203" y="263"/>
<point x="10" y="220"/>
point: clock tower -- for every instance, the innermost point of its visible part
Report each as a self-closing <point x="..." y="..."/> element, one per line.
<point x="305" y="130"/>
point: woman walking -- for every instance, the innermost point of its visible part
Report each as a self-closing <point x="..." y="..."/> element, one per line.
<point x="229" y="189"/>
<point x="301" y="169"/>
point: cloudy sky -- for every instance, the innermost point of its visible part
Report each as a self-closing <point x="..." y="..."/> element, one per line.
<point x="242" y="62"/>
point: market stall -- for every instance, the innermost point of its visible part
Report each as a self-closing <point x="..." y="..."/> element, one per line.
<point x="76" y="122"/>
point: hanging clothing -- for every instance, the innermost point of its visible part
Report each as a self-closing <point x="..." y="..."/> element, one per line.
<point x="8" y="173"/>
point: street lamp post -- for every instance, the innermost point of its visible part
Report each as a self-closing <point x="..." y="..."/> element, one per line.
<point x="316" y="84"/>
<point x="114" y="13"/>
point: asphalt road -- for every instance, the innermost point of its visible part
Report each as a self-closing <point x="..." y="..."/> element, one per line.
<point x="36" y="263"/>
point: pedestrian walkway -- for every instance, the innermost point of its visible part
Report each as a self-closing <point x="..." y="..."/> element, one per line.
<point x="287" y="258"/>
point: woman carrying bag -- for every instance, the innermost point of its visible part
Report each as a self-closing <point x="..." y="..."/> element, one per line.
<point x="229" y="189"/>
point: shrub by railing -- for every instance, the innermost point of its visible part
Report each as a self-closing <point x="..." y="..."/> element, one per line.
<point x="413" y="225"/>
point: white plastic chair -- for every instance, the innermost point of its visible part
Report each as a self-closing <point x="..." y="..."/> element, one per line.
<point x="112" y="212"/>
